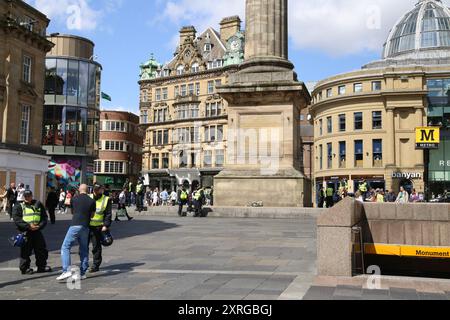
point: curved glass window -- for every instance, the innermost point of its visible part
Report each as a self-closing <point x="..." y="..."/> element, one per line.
<point x="83" y="83"/>
<point x="71" y="82"/>
<point x="65" y="126"/>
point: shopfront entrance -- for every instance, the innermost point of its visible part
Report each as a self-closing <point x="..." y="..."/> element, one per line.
<point x="408" y="185"/>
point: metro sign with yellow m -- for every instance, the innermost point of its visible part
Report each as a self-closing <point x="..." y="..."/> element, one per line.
<point x="428" y="138"/>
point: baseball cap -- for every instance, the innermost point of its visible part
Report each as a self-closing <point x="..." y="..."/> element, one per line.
<point x="28" y="193"/>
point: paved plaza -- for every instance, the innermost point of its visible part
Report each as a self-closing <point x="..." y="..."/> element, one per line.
<point x="172" y="258"/>
<point x="179" y="258"/>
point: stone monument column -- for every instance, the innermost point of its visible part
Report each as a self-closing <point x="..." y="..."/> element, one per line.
<point x="263" y="159"/>
<point x="266" y="34"/>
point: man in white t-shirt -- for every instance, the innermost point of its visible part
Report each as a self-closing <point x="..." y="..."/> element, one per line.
<point x="20" y="193"/>
<point x="173" y="198"/>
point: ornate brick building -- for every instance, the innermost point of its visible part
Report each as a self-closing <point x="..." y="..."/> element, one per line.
<point x="184" y="119"/>
<point x="23" y="47"/>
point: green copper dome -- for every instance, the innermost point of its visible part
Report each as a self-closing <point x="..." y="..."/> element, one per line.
<point x="149" y="69"/>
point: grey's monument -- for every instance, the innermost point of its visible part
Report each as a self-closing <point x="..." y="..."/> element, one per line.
<point x="265" y="98"/>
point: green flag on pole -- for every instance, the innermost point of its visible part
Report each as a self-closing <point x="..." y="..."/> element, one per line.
<point x="106" y="97"/>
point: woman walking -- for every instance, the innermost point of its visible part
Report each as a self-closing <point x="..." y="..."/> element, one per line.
<point x="68" y="203"/>
<point x="123" y="206"/>
<point x="155" y="198"/>
<point x="403" y="196"/>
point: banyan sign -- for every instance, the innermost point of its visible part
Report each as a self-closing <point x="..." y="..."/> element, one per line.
<point x="428" y="138"/>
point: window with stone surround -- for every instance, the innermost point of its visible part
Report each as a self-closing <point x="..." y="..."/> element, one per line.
<point x="25" y="125"/>
<point x="27" y="68"/>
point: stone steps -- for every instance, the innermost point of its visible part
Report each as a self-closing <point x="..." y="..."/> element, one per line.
<point x="236" y="212"/>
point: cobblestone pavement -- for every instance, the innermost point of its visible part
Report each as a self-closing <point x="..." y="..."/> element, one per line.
<point x="344" y="292"/>
<point x="178" y="258"/>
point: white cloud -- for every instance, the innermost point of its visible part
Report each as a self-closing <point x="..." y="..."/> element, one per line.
<point x="336" y="27"/>
<point x="341" y="27"/>
<point x="76" y="14"/>
<point x="200" y="13"/>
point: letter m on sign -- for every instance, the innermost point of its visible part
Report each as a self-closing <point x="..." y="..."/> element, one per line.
<point x="428" y="135"/>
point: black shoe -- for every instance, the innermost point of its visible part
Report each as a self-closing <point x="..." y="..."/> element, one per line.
<point x="116" y="220"/>
<point x="94" y="270"/>
<point x="130" y="218"/>
<point x="45" y="270"/>
<point x="28" y="271"/>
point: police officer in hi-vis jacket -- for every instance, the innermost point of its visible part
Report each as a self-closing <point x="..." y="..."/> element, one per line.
<point x="100" y="222"/>
<point x="31" y="218"/>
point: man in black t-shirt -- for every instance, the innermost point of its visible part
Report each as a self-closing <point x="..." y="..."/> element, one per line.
<point x="83" y="209"/>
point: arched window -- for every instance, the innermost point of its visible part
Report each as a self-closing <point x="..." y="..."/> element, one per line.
<point x="195" y="67"/>
<point x="180" y="70"/>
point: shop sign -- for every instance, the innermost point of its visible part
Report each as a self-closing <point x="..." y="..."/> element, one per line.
<point x="444" y="163"/>
<point x="406" y="175"/>
<point x="406" y="251"/>
<point x="427" y="138"/>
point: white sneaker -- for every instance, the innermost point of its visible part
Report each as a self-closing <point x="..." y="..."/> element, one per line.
<point x="76" y="276"/>
<point x="64" y="276"/>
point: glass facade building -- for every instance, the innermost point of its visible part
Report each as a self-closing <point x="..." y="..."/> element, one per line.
<point x="438" y="114"/>
<point x="71" y="123"/>
<point x="71" y="116"/>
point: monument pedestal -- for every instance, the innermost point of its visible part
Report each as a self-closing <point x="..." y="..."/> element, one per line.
<point x="241" y="188"/>
<point x="264" y="157"/>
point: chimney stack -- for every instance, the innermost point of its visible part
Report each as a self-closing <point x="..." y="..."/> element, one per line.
<point x="187" y="32"/>
<point x="229" y="27"/>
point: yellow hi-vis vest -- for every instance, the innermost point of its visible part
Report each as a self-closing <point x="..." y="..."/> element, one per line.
<point x="130" y="185"/>
<point x="330" y="192"/>
<point x="363" y="187"/>
<point x="198" y="194"/>
<point x="31" y="214"/>
<point x="183" y="195"/>
<point x="100" y="204"/>
<point x="139" y="188"/>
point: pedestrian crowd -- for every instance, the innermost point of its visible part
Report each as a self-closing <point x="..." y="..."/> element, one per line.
<point x="328" y="196"/>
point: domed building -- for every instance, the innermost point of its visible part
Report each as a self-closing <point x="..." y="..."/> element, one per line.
<point x="365" y="121"/>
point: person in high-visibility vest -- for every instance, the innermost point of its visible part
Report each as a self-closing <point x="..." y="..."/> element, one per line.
<point x="329" y="197"/>
<point x="140" y="195"/>
<point x="363" y="188"/>
<point x="100" y="222"/>
<point x="183" y="198"/>
<point x="343" y="186"/>
<point x="130" y="194"/>
<point x="30" y="217"/>
<point x="198" y="198"/>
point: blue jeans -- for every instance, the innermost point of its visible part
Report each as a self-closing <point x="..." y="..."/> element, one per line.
<point x="80" y="234"/>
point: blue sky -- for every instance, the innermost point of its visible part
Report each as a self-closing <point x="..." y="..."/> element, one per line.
<point x="326" y="36"/>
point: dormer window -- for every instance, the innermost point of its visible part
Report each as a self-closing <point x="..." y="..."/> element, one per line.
<point x="215" y="64"/>
<point x="195" y="68"/>
<point x="166" y="72"/>
<point x="180" y="70"/>
<point x="208" y="47"/>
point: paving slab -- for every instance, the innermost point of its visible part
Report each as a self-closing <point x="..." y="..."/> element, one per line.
<point x="319" y="293"/>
